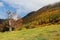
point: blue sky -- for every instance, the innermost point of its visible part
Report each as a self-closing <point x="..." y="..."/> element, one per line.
<point x="22" y="7"/>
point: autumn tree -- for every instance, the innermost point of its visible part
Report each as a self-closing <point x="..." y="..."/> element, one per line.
<point x="10" y="17"/>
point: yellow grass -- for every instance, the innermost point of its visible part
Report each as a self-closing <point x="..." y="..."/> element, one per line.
<point x="43" y="33"/>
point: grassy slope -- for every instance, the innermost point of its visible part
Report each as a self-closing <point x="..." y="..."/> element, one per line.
<point x="44" y="33"/>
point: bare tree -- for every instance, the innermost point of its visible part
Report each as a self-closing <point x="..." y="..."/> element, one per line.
<point x="10" y="17"/>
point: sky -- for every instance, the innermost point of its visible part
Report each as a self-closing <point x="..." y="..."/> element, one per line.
<point x="22" y="7"/>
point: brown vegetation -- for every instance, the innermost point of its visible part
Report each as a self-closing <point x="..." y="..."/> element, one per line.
<point x="4" y="26"/>
<point x="47" y="15"/>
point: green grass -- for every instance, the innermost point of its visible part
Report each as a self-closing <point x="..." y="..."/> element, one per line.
<point x="43" y="33"/>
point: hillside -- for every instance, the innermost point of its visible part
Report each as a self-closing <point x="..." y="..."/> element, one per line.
<point x="43" y="33"/>
<point x="49" y="14"/>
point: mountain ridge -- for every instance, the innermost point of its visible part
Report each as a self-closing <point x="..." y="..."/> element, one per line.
<point x="43" y="13"/>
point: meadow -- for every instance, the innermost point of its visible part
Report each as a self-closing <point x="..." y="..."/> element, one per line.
<point x="51" y="32"/>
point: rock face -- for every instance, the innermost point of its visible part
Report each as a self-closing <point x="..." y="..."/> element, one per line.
<point x="15" y="24"/>
<point x="45" y="15"/>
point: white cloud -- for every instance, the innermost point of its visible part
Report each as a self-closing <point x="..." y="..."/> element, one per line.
<point x="28" y="5"/>
<point x="1" y="4"/>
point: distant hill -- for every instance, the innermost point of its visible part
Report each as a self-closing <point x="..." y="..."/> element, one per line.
<point x="46" y="15"/>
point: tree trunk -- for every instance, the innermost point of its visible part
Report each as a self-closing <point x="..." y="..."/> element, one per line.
<point x="10" y="29"/>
